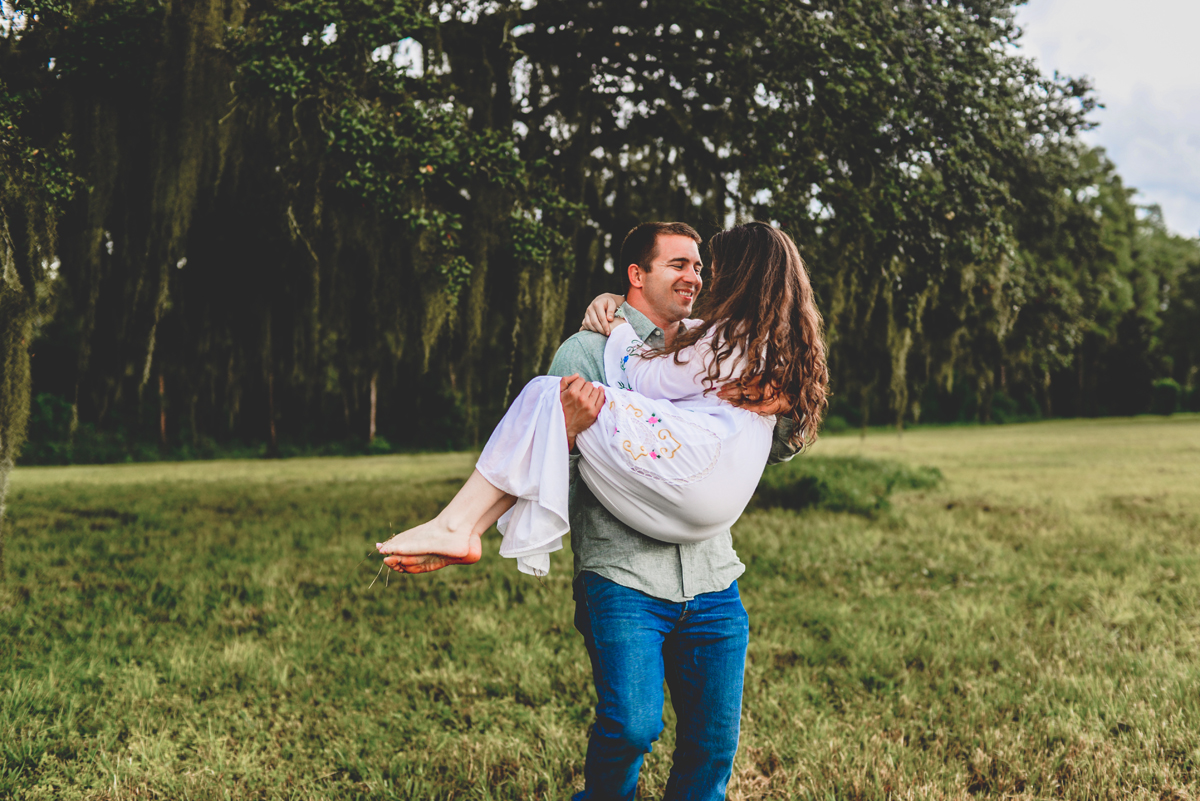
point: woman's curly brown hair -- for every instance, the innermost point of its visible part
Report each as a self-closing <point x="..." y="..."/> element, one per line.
<point x="761" y="305"/>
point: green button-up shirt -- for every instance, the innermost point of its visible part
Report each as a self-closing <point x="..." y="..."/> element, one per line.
<point x="603" y="544"/>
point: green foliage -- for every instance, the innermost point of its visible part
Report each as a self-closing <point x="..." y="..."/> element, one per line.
<point x="835" y="424"/>
<point x="1167" y="394"/>
<point x="397" y="143"/>
<point x="53" y="441"/>
<point x="40" y="169"/>
<point x="49" y="431"/>
<point x="306" y="48"/>
<point x="113" y="48"/>
<point x="1177" y="266"/>
<point x="379" y="446"/>
<point x="535" y="244"/>
<point x="457" y="273"/>
<point x="840" y="484"/>
<point x="1004" y="408"/>
<point x="1082" y="322"/>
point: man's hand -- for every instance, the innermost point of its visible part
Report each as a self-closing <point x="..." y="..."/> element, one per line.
<point x="581" y="404"/>
<point x="601" y="312"/>
<point x="753" y="399"/>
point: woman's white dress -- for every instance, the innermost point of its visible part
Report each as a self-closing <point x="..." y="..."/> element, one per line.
<point x="666" y="458"/>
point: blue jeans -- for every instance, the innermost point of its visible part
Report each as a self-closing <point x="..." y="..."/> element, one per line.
<point x="635" y="641"/>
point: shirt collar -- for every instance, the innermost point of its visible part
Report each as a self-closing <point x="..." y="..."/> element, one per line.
<point x="642" y="326"/>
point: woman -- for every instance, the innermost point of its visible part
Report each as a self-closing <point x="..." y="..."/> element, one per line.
<point x="665" y="455"/>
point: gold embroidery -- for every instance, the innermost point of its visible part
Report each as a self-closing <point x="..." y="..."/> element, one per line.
<point x="627" y="446"/>
<point x="663" y="435"/>
<point x="636" y="411"/>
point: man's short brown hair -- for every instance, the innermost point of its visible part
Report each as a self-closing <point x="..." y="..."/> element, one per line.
<point x="640" y="244"/>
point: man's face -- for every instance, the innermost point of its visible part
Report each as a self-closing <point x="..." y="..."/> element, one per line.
<point x="673" y="282"/>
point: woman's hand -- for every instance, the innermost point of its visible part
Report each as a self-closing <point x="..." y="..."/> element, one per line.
<point x="601" y="313"/>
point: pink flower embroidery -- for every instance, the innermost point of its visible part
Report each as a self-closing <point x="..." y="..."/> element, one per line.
<point x="652" y="420"/>
<point x="653" y="454"/>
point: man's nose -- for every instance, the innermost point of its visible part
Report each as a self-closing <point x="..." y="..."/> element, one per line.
<point x="692" y="276"/>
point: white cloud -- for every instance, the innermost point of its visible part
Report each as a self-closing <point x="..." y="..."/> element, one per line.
<point x="1142" y="60"/>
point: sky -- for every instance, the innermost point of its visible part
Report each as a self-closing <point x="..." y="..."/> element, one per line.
<point x="1144" y="61"/>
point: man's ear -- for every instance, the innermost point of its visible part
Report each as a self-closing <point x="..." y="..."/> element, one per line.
<point x="636" y="274"/>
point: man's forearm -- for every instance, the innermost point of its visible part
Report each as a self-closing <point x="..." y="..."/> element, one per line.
<point x="581" y="403"/>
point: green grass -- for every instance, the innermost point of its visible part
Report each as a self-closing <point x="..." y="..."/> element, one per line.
<point x="1029" y="627"/>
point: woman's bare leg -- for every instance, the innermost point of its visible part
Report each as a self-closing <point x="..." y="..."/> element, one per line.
<point x="449" y="534"/>
<point x="427" y="563"/>
<point x="454" y="536"/>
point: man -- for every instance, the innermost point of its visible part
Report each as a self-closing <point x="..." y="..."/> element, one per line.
<point x="651" y="611"/>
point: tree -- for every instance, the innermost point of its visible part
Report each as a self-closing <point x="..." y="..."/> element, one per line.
<point x="34" y="182"/>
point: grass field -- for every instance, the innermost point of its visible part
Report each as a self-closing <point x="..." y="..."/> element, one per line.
<point x="1029" y="628"/>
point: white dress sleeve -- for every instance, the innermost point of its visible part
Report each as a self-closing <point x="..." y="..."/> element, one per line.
<point x="663" y="377"/>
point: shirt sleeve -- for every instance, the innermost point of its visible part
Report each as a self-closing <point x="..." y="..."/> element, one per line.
<point x="782" y="450"/>
<point x="582" y="353"/>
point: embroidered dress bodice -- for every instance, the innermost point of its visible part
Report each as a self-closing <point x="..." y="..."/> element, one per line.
<point x="666" y="456"/>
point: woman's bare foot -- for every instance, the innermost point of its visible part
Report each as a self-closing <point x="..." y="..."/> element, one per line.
<point x="421" y="564"/>
<point x="473" y="508"/>
<point x="434" y="537"/>
<point x="427" y="563"/>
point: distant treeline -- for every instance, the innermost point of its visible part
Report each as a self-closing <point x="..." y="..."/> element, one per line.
<point x="334" y="225"/>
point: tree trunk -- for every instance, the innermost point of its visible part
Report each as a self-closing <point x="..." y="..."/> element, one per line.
<point x="512" y="358"/>
<point x="273" y="443"/>
<point x="866" y="411"/>
<point x="6" y="466"/>
<point x="192" y="420"/>
<point x="374" y="397"/>
<point x="1081" y="404"/>
<point x="162" y="412"/>
<point x="1046" y="406"/>
<point x="16" y="328"/>
<point x="269" y="368"/>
